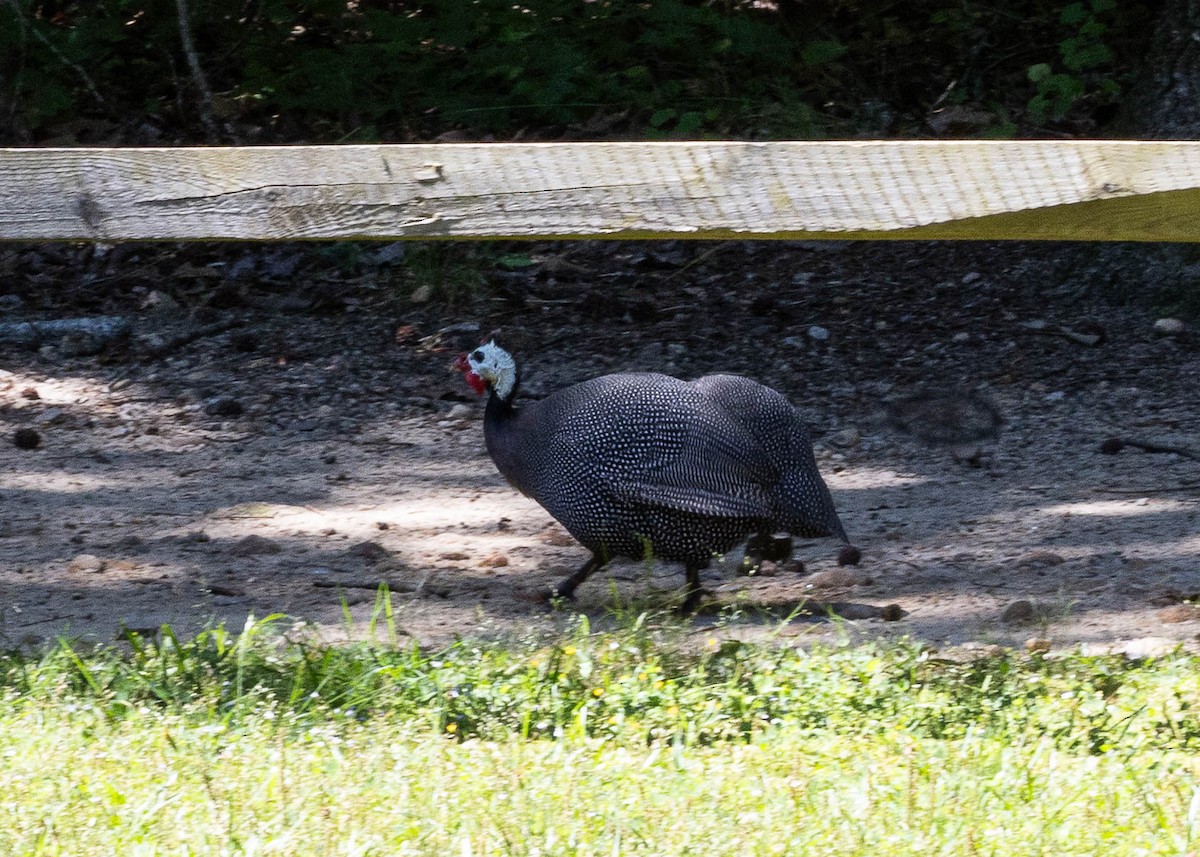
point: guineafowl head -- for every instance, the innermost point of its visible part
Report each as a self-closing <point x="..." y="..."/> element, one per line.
<point x="489" y="367"/>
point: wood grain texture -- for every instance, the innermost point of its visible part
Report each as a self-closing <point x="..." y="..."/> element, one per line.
<point x="1087" y="190"/>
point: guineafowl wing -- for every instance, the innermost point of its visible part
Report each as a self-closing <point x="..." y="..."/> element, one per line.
<point x="693" y="499"/>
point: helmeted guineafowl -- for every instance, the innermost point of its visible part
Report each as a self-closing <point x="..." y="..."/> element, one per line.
<point x="638" y="463"/>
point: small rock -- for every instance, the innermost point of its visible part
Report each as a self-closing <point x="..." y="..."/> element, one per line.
<point x="855" y="612"/>
<point x="892" y="613"/>
<point x="971" y="277"/>
<point x="558" y="537"/>
<point x="845" y="438"/>
<point x="460" y="411"/>
<point x="223" y="406"/>
<point x="49" y="417"/>
<point x="1168" y="326"/>
<point x="453" y="556"/>
<point x="422" y="294"/>
<point x="494" y="560"/>
<point x="255" y="545"/>
<point x="26" y="438"/>
<point x="967" y="453"/>
<point x="218" y="589"/>
<point x="370" y="551"/>
<point x="1018" y="612"/>
<point x="1056" y="396"/>
<point x="1178" y="613"/>
<point x="961" y="337"/>
<point x="1037" y="646"/>
<point x="849" y="555"/>
<point x="85" y="563"/>
<point x="31" y="394"/>
<point x="817" y="333"/>
<point x="838" y="577"/>
<point x="1040" y="559"/>
<point x="1111" y="446"/>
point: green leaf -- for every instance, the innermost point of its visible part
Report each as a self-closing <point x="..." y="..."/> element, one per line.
<point x="822" y="51"/>
<point x="1039" y="72"/>
<point x="662" y="116"/>
<point x="1074" y="14"/>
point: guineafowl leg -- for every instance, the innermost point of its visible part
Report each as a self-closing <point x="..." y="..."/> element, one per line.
<point x="694" y="591"/>
<point x="566" y="587"/>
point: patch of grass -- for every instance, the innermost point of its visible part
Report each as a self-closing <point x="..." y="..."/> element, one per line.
<point x="597" y="743"/>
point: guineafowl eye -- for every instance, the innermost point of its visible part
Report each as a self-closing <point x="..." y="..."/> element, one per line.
<point x="477" y="356"/>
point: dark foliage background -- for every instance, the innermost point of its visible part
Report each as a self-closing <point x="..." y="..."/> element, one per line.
<point x="119" y="71"/>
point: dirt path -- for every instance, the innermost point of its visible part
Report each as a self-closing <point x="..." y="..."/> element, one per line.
<point x="292" y="472"/>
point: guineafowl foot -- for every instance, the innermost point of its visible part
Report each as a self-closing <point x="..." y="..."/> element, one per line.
<point x="565" y="590"/>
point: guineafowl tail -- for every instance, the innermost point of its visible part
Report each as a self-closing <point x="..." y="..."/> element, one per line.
<point x="808" y="506"/>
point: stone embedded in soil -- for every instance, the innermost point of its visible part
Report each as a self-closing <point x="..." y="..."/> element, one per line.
<point x="892" y="613"/>
<point x="26" y="438"/>
<point x="1178" y="613"/>
<point x="453" y="556"/>
<point x="1037" y="646"/>
<point x="837" y="577"/>
<point x="255" y="545"/>
<point x="557" y="537"/>
<point x="86" y="563"/>
<point x="849" y="555"/>
<point x="495" y="559"/>
<point x="846" y="438"/>
<point x="1040" y="559"/>
<point x="223" y="406"/>
<point x="370" y="551"/>
<point x="49" y="417"/>
<point x="1168" y="326"/>
<point x="1018" y="612"/>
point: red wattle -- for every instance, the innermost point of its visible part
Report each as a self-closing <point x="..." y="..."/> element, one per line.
<point x="477" y="383"/>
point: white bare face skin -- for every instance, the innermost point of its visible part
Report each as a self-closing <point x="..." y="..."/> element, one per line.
<point x="496" y="366"/>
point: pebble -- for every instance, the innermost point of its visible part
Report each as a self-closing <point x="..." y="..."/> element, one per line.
<point x="1018" y="612"/>
<point x="818" y="334"/>
<point x="1168" y="326"/>
<point x="1040" y="559"/>
<point x="495" y="559"/>
<point x="26" y="438"/>
<point x="1037" y="646"/>
<point x="223" y="406"/>
<point x="370" y="551"/>
<point x="1056" y="396"/>
<point x="460" y="411"/>
<point x="846" y="438"/>
<point x="254" y="545"/>
<point x="86" y="563"/>
<point x="837" y="578"/>
<point x="49" y="417"/>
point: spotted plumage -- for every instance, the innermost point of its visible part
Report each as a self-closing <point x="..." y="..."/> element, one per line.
<point x="639" y="463"/>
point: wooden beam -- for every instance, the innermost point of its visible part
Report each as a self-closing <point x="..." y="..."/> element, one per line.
<point x="1079" y="190"/>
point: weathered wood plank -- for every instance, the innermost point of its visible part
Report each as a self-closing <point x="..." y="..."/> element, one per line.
<point x="1089" y="190"/>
